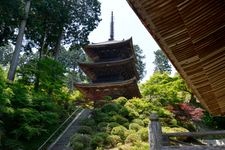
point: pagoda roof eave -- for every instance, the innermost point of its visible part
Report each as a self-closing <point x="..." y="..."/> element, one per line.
<point x="106" y="85"/>
<point x="109" y="63"/>
<point x="108" y="43"/>
<point x="98" y="91"/>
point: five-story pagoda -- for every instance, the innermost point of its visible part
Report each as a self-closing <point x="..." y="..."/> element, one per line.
<point x="112" y="71"/>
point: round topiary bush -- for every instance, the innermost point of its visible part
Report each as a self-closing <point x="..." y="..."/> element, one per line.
<point x="121" y="100"/>
<point x="143" y="133"/>
<point x="124" y="112"/>
<point x="120" y="131"/>
<point x="139" y="121"/>
<point x="134" y="126"/>
<point x="132" y="138"/>
<point x="88" y="122"/>
<point x="111" y="125"/>
<point x="110" y="107"/>
<point x="77" y="146"/>
<point x="113" y="140"/>
<point x="80" y="141"/>
<point x="85" y="130"/>
<point x="120" y="119"/>
<point x="102" y="126"/>
<point x="97" y="141"/>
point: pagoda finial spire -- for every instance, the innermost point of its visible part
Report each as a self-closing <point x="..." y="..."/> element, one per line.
<point x="111" y="28"/>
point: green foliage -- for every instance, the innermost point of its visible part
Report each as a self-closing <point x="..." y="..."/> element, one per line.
<point x="134" y="126"/>
<point x="84" y="130"/>
<point x="25" y="114"/>
<point x="165" y="89"/>
<point x="161" y="62"/>
<point x="120" y="131"/>
<point x="80" y="141"/>
<point x="140" y="65"/>
<point x="97" y="141"/>
<point x="110" y="107"/>
<point x="133" y="138"/>
<point x="143" y="133"/>
<point x="113" y="140"/>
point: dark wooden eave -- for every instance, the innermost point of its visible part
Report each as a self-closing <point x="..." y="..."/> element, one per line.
<point x="113" y="70"/>
<point x="192" y="35"/>
<point x="110" y="50"/>
<point x="98" y="91"/>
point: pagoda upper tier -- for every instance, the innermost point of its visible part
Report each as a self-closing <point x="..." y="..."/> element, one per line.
<point x="110" y="50"/>
<point x="112" y="71"/>
<point x="118" y="70"/>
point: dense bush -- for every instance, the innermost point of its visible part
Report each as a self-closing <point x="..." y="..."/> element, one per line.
<point x="84" y="130"/>
<point x="113" y="140"/>
<point x="32" y="106"/>
<point x="80" y="141"/>
<point x="133" y="138"/>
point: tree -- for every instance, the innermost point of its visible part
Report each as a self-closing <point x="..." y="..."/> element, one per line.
<point x="140" y="65"/>
<point x="161" y="62"/>
<point x="70" y="58"/>
<point x="15" y="59"/>
<point x="6" y="53"/>
<point x="10" y="14"/>
<point x="55" y="23"/>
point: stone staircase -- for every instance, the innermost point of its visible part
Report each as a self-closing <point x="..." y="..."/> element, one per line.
<point x="62" y="142"/>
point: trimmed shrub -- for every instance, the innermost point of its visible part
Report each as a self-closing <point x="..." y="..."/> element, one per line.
<point x="80" y="140"/>
<point x="97" y="141"/>
<point x="121" y="100"/>
<point x="132" y="138"/>
<point x="134" y="126"/>
<point x="124" y="112"/>
<point x="85" y="130"/>
<point x="120" y="119"/>
<point x="88" y="122"/>
<point x="102" y="126"/>
<point x="78" y="146"/>
<point x="111" y="107"/>
<point x="112" y="125"/>
<point x="143" y="133"/>
<point x="113" y="140"/>
<point x="139" y="121"/>
<point x="120" y="131"/>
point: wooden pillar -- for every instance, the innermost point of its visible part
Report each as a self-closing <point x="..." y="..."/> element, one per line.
<point x="155" y="132"/>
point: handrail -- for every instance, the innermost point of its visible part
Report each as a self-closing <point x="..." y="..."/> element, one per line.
<point x="195" y="134"/>
<point x="53" y="134"/>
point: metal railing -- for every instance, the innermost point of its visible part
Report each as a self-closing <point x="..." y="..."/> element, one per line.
<point x="61" y="128"/>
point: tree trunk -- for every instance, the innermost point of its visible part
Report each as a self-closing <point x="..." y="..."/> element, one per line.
<point x="16" y="54"/>
<point x="58" y="44"/>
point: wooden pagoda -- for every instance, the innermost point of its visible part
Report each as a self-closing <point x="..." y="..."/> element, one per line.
<point x="192" y="35"/>
<point x="112" y="70"/>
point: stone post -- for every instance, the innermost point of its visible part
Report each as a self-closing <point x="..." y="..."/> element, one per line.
<point x="155" y="132"/>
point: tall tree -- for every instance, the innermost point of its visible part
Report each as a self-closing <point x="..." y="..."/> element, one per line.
<point x="161" y="62"/>
<point x="10" y="14"/>
<point x="55" y="23"/>
<point x="70" y="58"/>
<point x="140" y="65"/>
<point x="15" y="59"/>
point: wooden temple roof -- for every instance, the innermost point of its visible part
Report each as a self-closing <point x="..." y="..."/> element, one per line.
<point x="98" y="91"/>
<point x="192" y="35"/>
<point x="118" y="70"/>
<point x="109" y="50"/>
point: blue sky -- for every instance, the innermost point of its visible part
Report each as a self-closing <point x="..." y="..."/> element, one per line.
<point x="126" y="25"/>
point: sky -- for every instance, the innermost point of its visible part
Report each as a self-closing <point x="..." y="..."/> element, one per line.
<point x="126" y="25"/>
